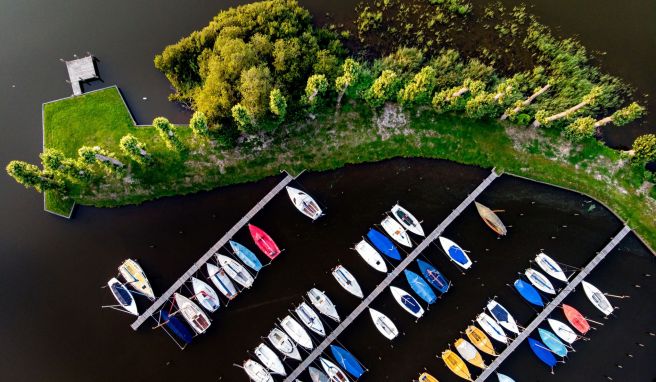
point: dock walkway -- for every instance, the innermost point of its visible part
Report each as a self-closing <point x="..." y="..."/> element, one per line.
<point x="389" y="278"/>
<point x="80" y="70"/>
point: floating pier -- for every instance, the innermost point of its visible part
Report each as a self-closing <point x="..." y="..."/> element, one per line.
<point x="389" y="278"/>
<point x="80" y="70"/>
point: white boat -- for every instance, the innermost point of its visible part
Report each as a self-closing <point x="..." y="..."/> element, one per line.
<point x="504" y="378"/>
<point x="236" y="271"/>
<point x="407" y="301"/>
<point x="334" y="372"/>
<point x="371" y="256"/>
<point x="257" y="372"/>
<point x="323" y="304"/>
<point x="469" y="353"/>
<point x="317" y="375"/>
<point x="123" y="296"/>
<point x="563" y="331"/>
<point x="194" y="315"/>
<point x="597" y="298"/>
<point x="491" y="327"/>
<point x="502" y="316"/>
<point x="455" y="253"/>
<point x="310" y="319"/>
<point x="304" y="203"/>
<point x="205" y="295"/>
<point x="281" y="341"/>
<point x="384" y="325"/>
<point x="135" y="277"/>
<point x="540" y="281"/>
<point x="407" y="220"/>
<point x="347" y="281"/>
<point x="269" y="359"/>
<point x="221" y="281"/>
<point x="296" y="332"/>
<point x="396" y="231"/>
<point x="550" y="267"/>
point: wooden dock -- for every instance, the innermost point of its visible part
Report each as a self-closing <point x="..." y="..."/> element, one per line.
<point x="80" y="70"/>
<point x="553" y="304"/>
<point x="219" y="244"/>
<point x="389" y="278"/>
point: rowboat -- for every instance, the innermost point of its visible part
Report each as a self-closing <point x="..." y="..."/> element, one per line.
<point x="407" y="220"/>
<point x="491" y="327"/>
<point x="176" y="326"/>
<point x="542" y="352"/>
<point x="323" y="304"/>
<point x="334" y="372"/>
<point x="346" y="360"/>
<point x="563" y="331"/>
<point x="296" y="332"/>
<point x="256" y="372"/>
<point x="576" y="319"/>
<point x="504" y="378"/>
<point x="550" y="267"/>
<point x="371" y="256"/>
<point x="552" y="342"/>
<point x="502" y="316"/>
<point x="192" y="313"/>
<point x="491" y="219"/>
<point x="123" y="296"/>
<point x="455" y="253"/>
<point x="281" y="341"/>
<point x="264" y="242"/>
<point x="246" y="256"/>
<point x="310" y="319"/>
<point x="317" y="375"/>
<point x="407" y="302"/>
<point x="205" y="295"/>
<point x="236" y="271"/>
<point x="396" y="231"/>
<point x="347" y="281"/>
<point x="539" y="281"/>
<point x="384" y="325"/>
<point x="383" y="244"/>
<point x="456" y="364"/>
<point x="269" y="359"/>
<point x="420" y="286"/>
<point x="528" y="292"/>
<point x="135" y="277"/>
<point x="221" y="281"/>
<point x="480" y="340"/>
<point x="597" y="298"/>
<point x="433" y="276"/>
<point x="304" y="203"/>
<point x="469" y="353"/>
<point x="425" y="377"/>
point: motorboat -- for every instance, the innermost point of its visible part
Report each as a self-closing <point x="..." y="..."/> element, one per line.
<point x="323" y="304"/>
<point x="304" y="203"/>
<point x="347" y="281"/>
<point x="221" y="281"/>
<point x="256" y="372"/>
<point x="396" y="231"/>
<point x="371" y="256"/>
<point x="191" y="312"/>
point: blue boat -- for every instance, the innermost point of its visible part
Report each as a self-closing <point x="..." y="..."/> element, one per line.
<point x="347" y="361"/>
<point x="177" y="327"/>
<point x="246" y="256"/>
<point x="434" y="277"/>
<point x="529" y="292"/>
<point x="420" y="287"/>
<point x="383" y="244"/>
<point x="542" y="352"/>
<point x="553" y="342"/>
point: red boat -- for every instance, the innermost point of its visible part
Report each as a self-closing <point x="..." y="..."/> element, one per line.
<point x="264" y="242"/>
<point x="576" y="319"/>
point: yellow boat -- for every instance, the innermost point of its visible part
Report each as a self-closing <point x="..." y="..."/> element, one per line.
<point x="456" y="364"/>
<point x="136" y="278"/>
<point x="425" y="377"/>
<point x="469" y="353"/>
<point x="491" y="219"/>
<point x="480" y="340"/>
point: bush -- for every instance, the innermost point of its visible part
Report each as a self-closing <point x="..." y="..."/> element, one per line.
<point x="644" y="148"/>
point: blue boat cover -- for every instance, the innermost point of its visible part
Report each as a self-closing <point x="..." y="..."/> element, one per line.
<point x="246" y="256"/>
<point x="433" y="276"/>
<point x="411" y="303"/>
<point x="383" y="244"/>
<point x="457" y="255"/>
<point x="500" y="313"/>
<point x="347" y="361"/>
<point x="122" y="295"/>
<point x="542" y="352"/>
<point x="420" y="287"/>
<point x="177" y="327"/>
<point x="529" y="292"/>
<point x="553" y="342"/>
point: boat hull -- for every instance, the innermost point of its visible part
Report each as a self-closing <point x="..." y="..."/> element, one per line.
<point x="347" y="281"/>
<point x="191" y="312"/>
<point x="384" y="325"/>
<point x="491" y="219"/>
<point x="396" y="231"/>
<point x="528" y="292"/>
<point x="455" y="253"/>
<point x="281" y="341"/>
<point x="205" y="295"/>
<point x="236" y="271"/>
<point x="407" y="220"/>
<point x="597" y="298"/>
<point x="136" y="278"/>
<point x="123" y="296"/>
<point x="304" y="203"/>
<point x="550" y="267"/>
<point x="246" y="256"/>
<point x="264" y="242"/>
<point x="420" y="287"/>
<point x="371" y="256"/>
<point x="323" y="304"/>
<point x="221" y="281"/>
<point x="456" y="365"/>
<point x="576" y="319"/>
<point x="296" y="332"/>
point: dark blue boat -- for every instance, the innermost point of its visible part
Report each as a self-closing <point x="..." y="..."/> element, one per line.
<point x="347" y="361"/>
<point x="383" y="244"/>
<point x="529" y="292"/>
<point x="177" y="327"/>
<point x="542" y="352"/>
<point x="433" y="276"/>
<point x="420" y="287"/>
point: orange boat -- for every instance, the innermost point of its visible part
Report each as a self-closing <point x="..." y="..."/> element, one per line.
<point x="491" y="219"/>
<point x="576" y="319"/>
<point x="425" y="377"/>
<point x="456" y="365"/>
<point x="480" y="340"/>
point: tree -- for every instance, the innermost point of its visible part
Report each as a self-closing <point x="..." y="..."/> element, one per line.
<point x="241" y="117"/>
<point x="133" y="148"/>
<point x="589" y="99"/>
<point x="198" y="124"/>
<point x="623" y="116"/>
<point x="29" y="175"/>
<point x="384" y="88"/>
<point x="56" y="163"/>
<point x="90" y="156"/>
<point x="581" y="129"/>
<point x="481" y="106"/>
<point x="351" y="71"/>
<point x="453" y="99"/>
<point x="519" y="105"/>
<point x="317" y="84"/>
<point x="278" y="104"/>
<point x="254" y="87"/>
<point x="419" y="89"/>
<point x="644" y="148"/>
<point x="167" y="133"/>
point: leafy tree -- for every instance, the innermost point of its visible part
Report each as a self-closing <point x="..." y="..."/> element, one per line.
<point x="626" y="115"/>
<point x="55" y="162"/>
<point x="581" y="129"/>
<point x="241" y="117"/>
<point x="455" y="99"/>
<point x="481" y="106"/>
<point x="90" y="156"/>
<point x="420" y="88"/>
<point x="254" y="87"/>
<point x="198" y="124"/>
<point x="589" y="99"/>
<point x="278" y="103"/>
<point x="317" y="84"/>
<point x="30" y="176"/>
<point x="167" y="132"/>
<point x="351" y="72"/>
<point x="384" y="88"/>
<point x="644" y="148"/>
<point x="136" y="150"/>
<point x="404" y="60"/>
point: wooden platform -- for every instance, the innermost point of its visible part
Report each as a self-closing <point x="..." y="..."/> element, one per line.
<point x="79" y="70"/>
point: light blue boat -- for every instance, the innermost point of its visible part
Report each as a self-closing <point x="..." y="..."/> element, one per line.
<point x="420" y="287"/>
<point x="553" y="342"/>
<point x="504" y="378"/>
<point x="246" y="256"/>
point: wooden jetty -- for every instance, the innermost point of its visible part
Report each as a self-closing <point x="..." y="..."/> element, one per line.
<point x="80" y="70"/>
<point x="553" y="304"/>
<point x="389" y="278"/>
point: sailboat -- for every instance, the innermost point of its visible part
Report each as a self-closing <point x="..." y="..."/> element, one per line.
<point x="281" y="341"/>
<point x="384" y="325"/>
<point x="396" y="231"/>
<point x="504" y="378"/>
<point x="502" y="316"/>
<point x="407" y="220"/>
<point x="576" y="319"/>
<point x="347" y="361"/>
<point x="456" y="365"/>
<point x="246" y="256"/>
<point x="455" y="253"/>
<point x="296" y="332"/>
<point x="334" y="372"/>
<point x="425" y="377"/>
<point x="433" y="276"/>
<point x="491" y="219"/>
<point x="491" y="327"/>
<point x="371" y="256"/>
<point x="304" y="203"/>
<point x="562" y="330"/>
<point x="597" y="298"/>
<point x="383" y="244"/>
<point x="420" y="286"/>
<point x="539" y="281"/>
<point x="469" y="353"/>
<point x="480" y="340"/>
<point x="221" y="281"/>
<point x="135" y="277"/>
<point x="552" y="342"/>
<point x="123" y="296"/>
<point x="205" y="295"/>
<point x="542" y="352"/>
<point x="528" y="292"/>
<point x="236" y="271"/>
<point x="176" y="326"/>
<point x="407" y="302"/>
<point x="256" y="372"/>
<point x="550" y="267"/>
<point x="323" y="304"/>
<point x="192" y="313"/>
<point x="347" y="281"/>
<point x="264" y="242"/>
<point x="269" y="359"/>
<point x="317" y="375"/>
<point x="310" y="319"/>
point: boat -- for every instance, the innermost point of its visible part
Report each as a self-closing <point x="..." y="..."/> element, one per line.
<point x="597" y="298"/>
<point x="236" y="271"/>
<point x="542" y="352"/>
<point x="491" y="219"/>
<point x="383" y="244"/>
<point x="407" y="220"/>
<point x="576" y="319"/>
<point x="281" y="341"/>
<point x="539" y="281"/>
<point x="420" y="286"/>
<point x="552" y="342"/>
<point x="407" y="302"/>
<point x="194" y="315"/>
<point x="256" y="372"/>
<point x="269" y="359"/>
<point x="504" y="378"/>
<point x="433" y="276"/>
<point x="323" y="304"/>
<point x="123" y="296"/>
<point x="296" y="332"/>
<point x="347" y="281"/>
<point x="304" y="203"/>
<point x="528" y="292"/>
<point x="264" y="242"/>
<point x="205" y="295"/>
<point x="346" y="360"/>
<point x="563" y="331"/>
<point x="396" y="231"/>
<point x="334" y="372"/>
<point x="469" y="353"/>
<point x="246" y="256"/>
<point x="425" y="377"/>
<point x="371" y="256"/>
<point x="502" y="316"/>
<point x="456" y="365"/>
<point x="550" y="267"/>
<point x="135" y="277"/>
<point x="317" y="375"/>
<point x="480" y="340"/>
<point x="491" y="327"/>
<point x="221" y="281"/>
<point x="310" y="318"/>
<point x="384" y="325"/>
<point x="455" y="253"/>
<point x="176" y="326"/>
